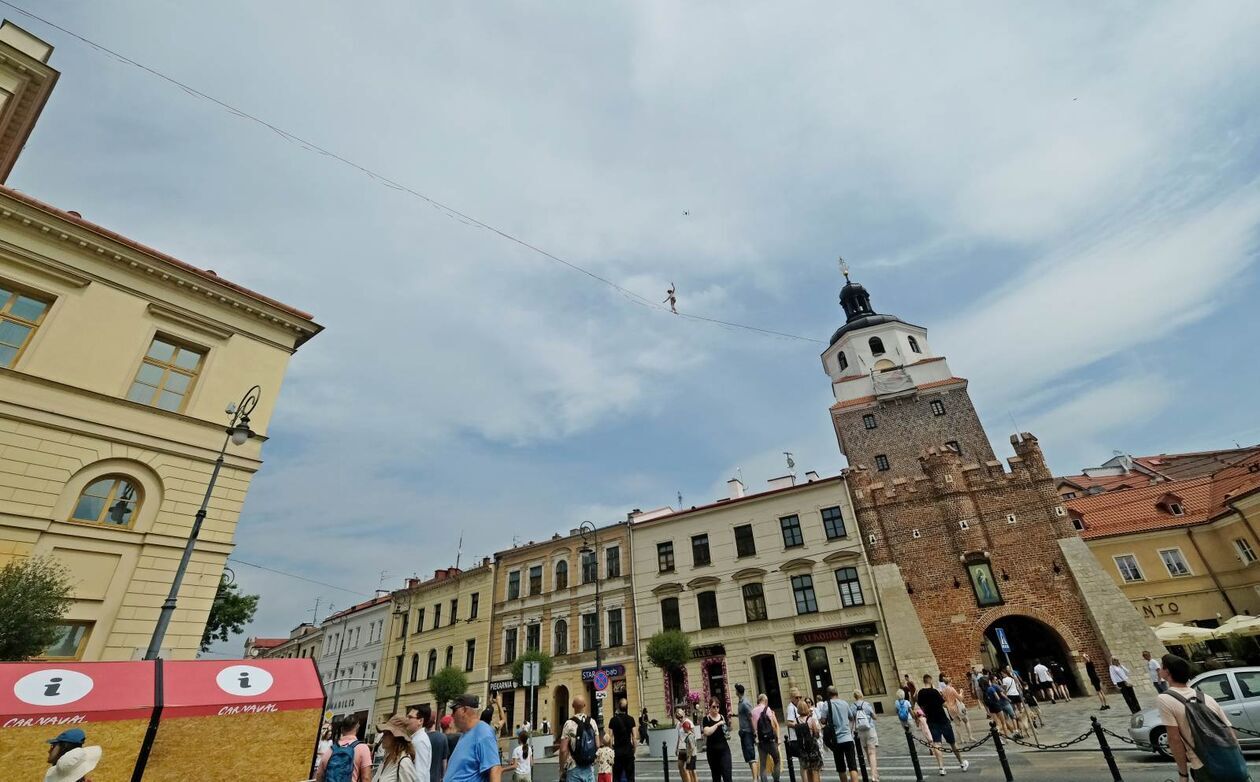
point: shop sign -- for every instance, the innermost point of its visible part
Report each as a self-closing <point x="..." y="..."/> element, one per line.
<point x="834" y="633"/>
<point x="1160" y="609"/>
<point x="503" y="684"/>
<point x="712" y="650"/>
<point x="613" y="671"/>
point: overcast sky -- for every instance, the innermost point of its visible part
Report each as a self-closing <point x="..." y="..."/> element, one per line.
<point x="1064" y="194"/>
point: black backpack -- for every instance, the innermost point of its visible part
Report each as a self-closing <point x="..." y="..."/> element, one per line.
<point x="765" y="728"/>
<point x="584" y="743"/>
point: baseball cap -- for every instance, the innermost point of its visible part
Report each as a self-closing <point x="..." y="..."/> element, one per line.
<point x="446" y="721"/>
<point x="72" y="736"/>
<point x="471" y="701"/>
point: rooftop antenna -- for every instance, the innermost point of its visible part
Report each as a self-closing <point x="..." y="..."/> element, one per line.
<point x="739" y="473"/>
<point x="459" y="552"/>
<point x="844" y="267"/>
<point x="315" y="611"/>
<point x="384" y="575"/>
<point x="680" y="499"/>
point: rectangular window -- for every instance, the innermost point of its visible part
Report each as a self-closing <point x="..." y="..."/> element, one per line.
<point x="509" y="645"/>
<point x="472" y="605"/>
<point x="454" y="610"/>
<point x="870" y="677"/>
<point x="1245" y="552"/>
<point x="869" y="422"/>
<point x="419" y="619"/>
<point x="166" y="375"/>
<point x="616" y="635"/>
<point x="833" y="523"/>
<point x="707" y="603"/>
<point x="71" y="639"/>
<point x="665" y="556"/>
<point x="803" y="591"/>
<point x="1175" y="562"/>
<point x="514" y="585"/>
<point x="1128" y="567"/>
<point x="954" y="446"/>
<point x="745" y="546"/>
<point x="700" y="550"/>
<point x="533" y="637"/>
<point x="535" y="580"/>
<point x="470" y="653"/>
<point x="881" y="462"/>
<point x="938" y="407"/>
<point x="669" y="614"/>
<point x="792" y="536"/>
<point x="437" y="615"/>
<point x="754" y="603"/>
<point x="20" y="315"/>
<point x="590" y="567"/>
<point x="612" y="562"/>
<point x="590" y="631"/>
<point x="850" y="587"/>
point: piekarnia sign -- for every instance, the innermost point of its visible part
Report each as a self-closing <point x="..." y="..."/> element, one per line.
<point x="833" y="634"/>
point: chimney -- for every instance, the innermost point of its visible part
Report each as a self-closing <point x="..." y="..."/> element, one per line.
<point x="811" y="476"/>
<point x="631" y="515"/>
<point x="736" y="487"/>
<point x="412" y="583"/>
<point x="382" y="592"/>
<point x="785" y="482"/>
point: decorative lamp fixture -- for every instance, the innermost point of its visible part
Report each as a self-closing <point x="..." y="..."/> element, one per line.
<point x="957" y="583"/>
<point x="1057" y="569"/>
<point x="1005" y="576"/>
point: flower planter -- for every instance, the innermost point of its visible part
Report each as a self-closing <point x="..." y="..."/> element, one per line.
<point x="667" y="734"/>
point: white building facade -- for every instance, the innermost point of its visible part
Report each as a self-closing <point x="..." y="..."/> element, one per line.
<point x="354" y="642"/>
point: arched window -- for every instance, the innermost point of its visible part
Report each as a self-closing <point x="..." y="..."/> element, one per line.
<point x="561" y="643"/>
<point x="843" y="360"/>
<point x="914" y="344"/>
<point x="432" y="669"/>
<point x="415" y="666"/>
<point x="112" y="500"/>
<point x="562" y="575"/>
<point x="450" y="656"/>
<point x="877" y="346"/>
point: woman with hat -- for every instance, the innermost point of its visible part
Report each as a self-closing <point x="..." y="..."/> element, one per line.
<point x="70" y="761"/>
<point x="399" y="764"/>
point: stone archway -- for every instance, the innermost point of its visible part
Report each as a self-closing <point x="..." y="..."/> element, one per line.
<point x="1030" y="639"/>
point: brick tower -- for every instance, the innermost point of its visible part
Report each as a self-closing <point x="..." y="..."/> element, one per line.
<point x="975" y="565"/>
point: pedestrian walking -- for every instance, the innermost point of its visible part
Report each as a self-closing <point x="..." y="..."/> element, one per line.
<point x="1120" y="678"/>
<point x="68" y="759"/>
<point x="767" y="726"/>
<point x="579" y="741"/>
<point x="1044" y="681"/>
<point x="747" y="742"/>
<point x="439" y="748"/>
<point x="685" y="749"/>
<point x="908" y="685"/>
<point x="604" y="764"/>
<point x="838" y="718"/>
<point x="865" y="732"/>
<point x="905" y="709"/>
<point x="347" y="759"/>
<point x="1202" y="739"/>
<point x="452" y="736"/>
<point x="809" y="732"/>
<point x="1152" y="671"/>
<point x="940" y="730"/>
<point x="399" y="761"/>
<point x="1061" y="681"/>
<point x="1000" y="709"/>
<point x="476" y="754"/>
<point x="956" y="707"/>
<point x="1091" y="672"/>
<point x="522" y="759"/>
<point x="792" y="715"/>
<point x="716" y="728"/>
<point x="623" y="733"/>
<point x="644" y="724"/>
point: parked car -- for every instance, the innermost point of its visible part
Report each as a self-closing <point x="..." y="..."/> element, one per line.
<point x="1237" y="690"/>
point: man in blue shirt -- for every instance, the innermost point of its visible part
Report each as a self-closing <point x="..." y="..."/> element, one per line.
<point x="476" y="756"/>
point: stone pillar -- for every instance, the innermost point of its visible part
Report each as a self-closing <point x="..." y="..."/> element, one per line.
<point x="911" y="651"/>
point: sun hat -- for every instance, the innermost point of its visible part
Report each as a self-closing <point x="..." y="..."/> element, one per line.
<point x="74" y="765"/>
<point x="396" y="725"/>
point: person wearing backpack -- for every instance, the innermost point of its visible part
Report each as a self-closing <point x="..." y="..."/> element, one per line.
<point x="1200" y="736"/>
<point x="837" y="719"/>
<point x="766" y="726"/>
<point x="347" y="759"/>
<point x="864" y="728"/>
<point x="579" y="740"/>
<point x="809" y="734"/>
<point x="685" y="748"/>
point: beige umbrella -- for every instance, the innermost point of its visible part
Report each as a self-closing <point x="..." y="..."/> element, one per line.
<point x="1179" y="634"/>
<point x="1240" y="625"/>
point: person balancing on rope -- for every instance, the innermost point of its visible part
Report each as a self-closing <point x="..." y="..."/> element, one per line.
<point x="671" y="298"/>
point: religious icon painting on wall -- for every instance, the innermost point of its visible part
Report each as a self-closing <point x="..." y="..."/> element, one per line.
<point x="983" y="584"/>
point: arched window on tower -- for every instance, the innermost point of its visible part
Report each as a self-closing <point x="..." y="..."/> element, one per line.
<point x="914" y="344"/>
<point x="877" y="346"/>
<point x="843" y="360"/>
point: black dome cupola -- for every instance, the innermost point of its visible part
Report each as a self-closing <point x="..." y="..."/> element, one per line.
<point x="859" y="313"/>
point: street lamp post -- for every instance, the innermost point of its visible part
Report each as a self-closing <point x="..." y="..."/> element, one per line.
<point x="238" y="433"/>
<point x="405" y="612"/>
<point x="590" y="537"/>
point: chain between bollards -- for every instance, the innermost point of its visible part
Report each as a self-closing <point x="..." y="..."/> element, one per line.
<point x="914" y="755"/>
<point x="665" y="759"/>
<point x="1106" y="749"/>
<point x="1001" y="751"/>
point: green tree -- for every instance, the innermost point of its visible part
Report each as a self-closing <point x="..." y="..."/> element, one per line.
<point x="229" y="614"/>
<point x="35" y="595"/>
<point x="544" y="669"/>
<point x="669" y="650"/>
<point x="448" y="684"/>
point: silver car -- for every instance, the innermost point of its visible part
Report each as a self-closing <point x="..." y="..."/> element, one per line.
<point x="1237" y="690"/>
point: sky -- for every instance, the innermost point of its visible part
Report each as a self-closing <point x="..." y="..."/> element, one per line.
<point x="1066" y="195"/>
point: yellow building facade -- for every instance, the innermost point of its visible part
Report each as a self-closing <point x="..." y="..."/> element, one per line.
<point x="116" y="363"/>
<point x="774" y="592"/>
<point x="545" y="600"/>
<point x="441" y="622"/>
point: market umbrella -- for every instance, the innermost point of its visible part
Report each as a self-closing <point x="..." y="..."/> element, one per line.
<point x="1240" y="625"/>
<point x="1175" y="633"/>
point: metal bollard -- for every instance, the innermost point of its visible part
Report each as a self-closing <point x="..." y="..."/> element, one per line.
<point x="791" y="766"/>
<point x="1001" y="750"/>
<point x="665" y="759"/>
<point x="860" y="746"/>
<point x="1106" y="749"/>
<point x="914" y="755"/>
